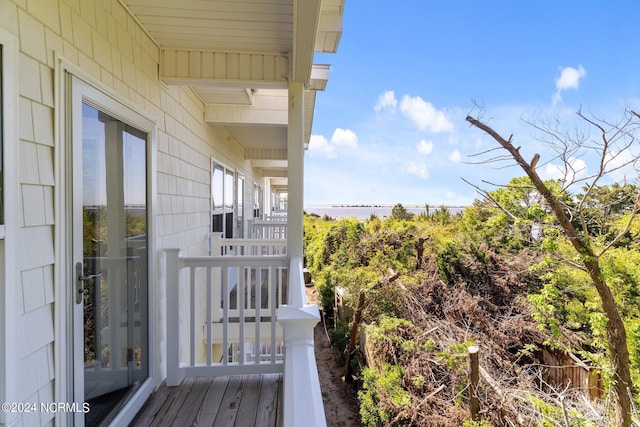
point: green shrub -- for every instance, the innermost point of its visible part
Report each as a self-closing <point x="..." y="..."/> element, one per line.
<point x="382" y="396"/>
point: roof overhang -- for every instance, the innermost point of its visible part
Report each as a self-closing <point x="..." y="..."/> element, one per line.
<point x="239" y="57"/>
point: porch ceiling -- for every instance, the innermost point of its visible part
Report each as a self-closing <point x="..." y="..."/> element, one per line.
<point x="239" y="55"/>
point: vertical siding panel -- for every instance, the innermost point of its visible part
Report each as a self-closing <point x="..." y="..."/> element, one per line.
<point x="207" y="65"/>
<point x="244" y="66"/>
<point x="168" y="62"/>
<point x="220" y="65"/>
<point x="195" y="64"/>
<point x="268" y="67"/>
<point x="182" y="63"/>
<point x="232" y="66"/>
<point x="282" y="66"/>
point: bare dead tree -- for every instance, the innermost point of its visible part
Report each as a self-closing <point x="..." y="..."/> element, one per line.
<point x="613" y="142"/>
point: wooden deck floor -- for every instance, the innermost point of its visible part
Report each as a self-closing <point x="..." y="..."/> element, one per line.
<point x="240" y="401"/>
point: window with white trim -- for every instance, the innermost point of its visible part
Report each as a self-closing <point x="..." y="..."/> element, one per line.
<point x="258" y="200"/>
<point x="223" y="200"/>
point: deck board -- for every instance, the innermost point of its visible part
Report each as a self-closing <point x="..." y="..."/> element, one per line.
<point x="248" y="407"/>
<point x="211" y="404"/>
<point x="174" y="401"/>
<point x="268" y="401"/>
<point x="230" y="403"/>
<point x="234" y="401"/>
<point x="189" y="408"/>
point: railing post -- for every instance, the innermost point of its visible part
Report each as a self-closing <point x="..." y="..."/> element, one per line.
<point x="215" y="243"/>
<point x="302" y="395"/>
<point x="174" y="375"/>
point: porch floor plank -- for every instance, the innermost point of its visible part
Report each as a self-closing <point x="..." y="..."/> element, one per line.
<point x="212" y="401"/>
<point x="238" y="400"/>
<point x="170" y="411"/>
<point x="269" y="398"/>
<point x="230" y="403"/>
<point x="247" y="408"/>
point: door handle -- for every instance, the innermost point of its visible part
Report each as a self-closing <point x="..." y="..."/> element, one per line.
<point x="91" y="276"/>
<point x="80" y="279"/>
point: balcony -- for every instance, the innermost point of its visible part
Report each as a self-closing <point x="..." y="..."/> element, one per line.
<point x="242" y="311"/>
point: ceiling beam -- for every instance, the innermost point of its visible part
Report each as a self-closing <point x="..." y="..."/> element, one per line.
<point x="306" y="17"/>
<point x="275" y="173"/>
<point x="265" y="154"/>
<point x="196" y="67"/>
<point x="329" y="32"/>
<point x="269" y="108"/>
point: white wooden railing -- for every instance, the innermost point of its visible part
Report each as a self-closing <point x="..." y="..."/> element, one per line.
<point x="254" y="247"/>
<point x="271" y="228"/>
<point x="202" y="286"/>
<point x="219" y="320"/>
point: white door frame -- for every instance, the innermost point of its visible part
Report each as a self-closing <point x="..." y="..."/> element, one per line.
<point x="10" y="294"/>
<point x="68" y="77"/>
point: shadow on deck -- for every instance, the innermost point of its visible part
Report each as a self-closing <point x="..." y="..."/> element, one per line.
<point x="240" y="400"/>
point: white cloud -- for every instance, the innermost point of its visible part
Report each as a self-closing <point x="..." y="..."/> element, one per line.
<point x="425" y="115"/>
<point x="425" y="147"/>
<point x="417" y="169"/>
<point x="319" y="144"/>
<point x="623" y="166"/>
<point x="386" y="102"/>
<point x="344" y="138"/>
<point x="578" y="170"/>
<point x="455" y="156"/>
<point x="569" y="79"/>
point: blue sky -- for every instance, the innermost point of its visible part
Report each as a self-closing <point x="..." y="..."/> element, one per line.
<point x="390" y="126"/>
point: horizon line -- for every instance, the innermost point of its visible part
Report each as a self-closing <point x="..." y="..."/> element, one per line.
<point x="381" y="205"/>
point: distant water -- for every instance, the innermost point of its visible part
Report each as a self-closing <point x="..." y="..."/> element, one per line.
<point x="365" y="212"/>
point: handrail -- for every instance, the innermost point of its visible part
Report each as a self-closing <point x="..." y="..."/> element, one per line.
<point x="238" y="246"/>
<point x="268" y="228"/>
<point x="228" y="305"/>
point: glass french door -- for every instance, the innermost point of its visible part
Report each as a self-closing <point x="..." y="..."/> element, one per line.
<point x="111" y="357"/>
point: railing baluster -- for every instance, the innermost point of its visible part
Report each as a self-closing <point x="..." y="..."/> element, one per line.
<point x="258" y="310"/>
<point x="208" y="341"/>
<point x="273" y="303"/>
<point x="192" y="317"/>
<point x="242" y="289"/>
<point x="225" y="315"/>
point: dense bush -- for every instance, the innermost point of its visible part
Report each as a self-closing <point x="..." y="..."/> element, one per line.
<point x="504" y="277"/>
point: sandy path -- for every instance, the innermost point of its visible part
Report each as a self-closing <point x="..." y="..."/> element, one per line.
<point x="340" y="399"/>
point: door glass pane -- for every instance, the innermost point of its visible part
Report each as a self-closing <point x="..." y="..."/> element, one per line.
<point x="257" y="201"/>
<point x="217" y="187"/>
<point x="114" y="189"/>
<point x="228" y="189"/>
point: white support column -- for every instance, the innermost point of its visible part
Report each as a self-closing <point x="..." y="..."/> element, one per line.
<point x="302" y="395"/>
<point x="295" y="157"/>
